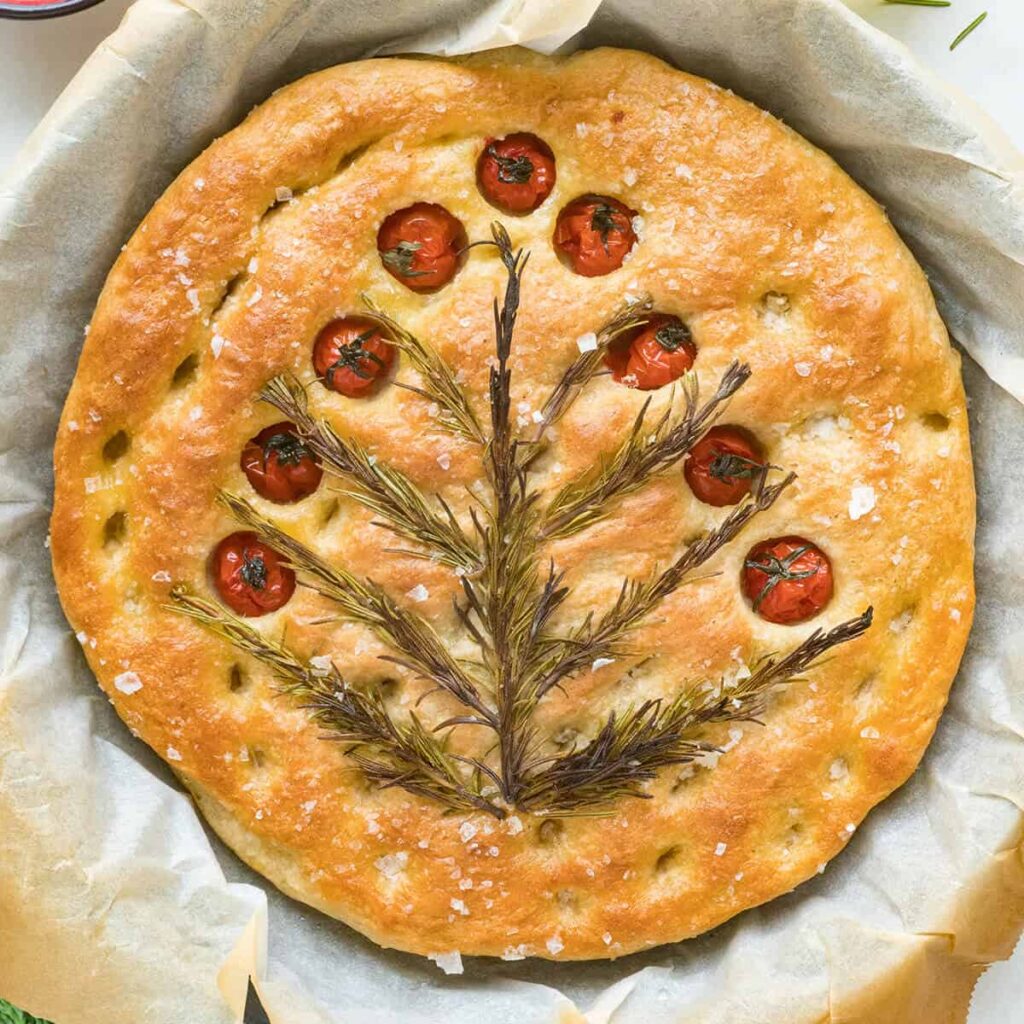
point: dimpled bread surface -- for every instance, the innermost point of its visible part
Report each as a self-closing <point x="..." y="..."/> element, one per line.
<point x="769" y="253"/>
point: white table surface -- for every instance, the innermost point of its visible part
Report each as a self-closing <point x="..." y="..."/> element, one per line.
<point x="37" y="59"/>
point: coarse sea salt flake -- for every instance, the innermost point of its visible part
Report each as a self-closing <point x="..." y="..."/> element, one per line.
<point x="587" y="342"/>
<point x="282" y="193"/>
<point x="466" y="831"/>
<point x="459" y="907"/>
<point x="450" y="963"/>
<point x="320" y="664"/>
<point x="444" y="460"/>
<point x="128" y="682"/>
<point x="862" y="501"/>
<point x="555" y="945"/>
<point x="601" y="662"/>
<point x="418" y="593"/>
<point x="172" y="754"/>
<point x="720" y="849"/>
<point x="217" y="344"/>
<point x="514" y="825"/>
<point x="803" y="369"/>
<point x="392" y="864"/>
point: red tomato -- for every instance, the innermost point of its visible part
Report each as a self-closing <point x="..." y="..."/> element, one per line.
<point x="250" y="575"/>
<point x="655" y="354"/>
<point x="722" y="466"/>
<point x="594" y="233"/>
<point x="421" y="246"/>
<point x="787" y="579"/>
<point x="516" y="173"/>
<point x="350" y="356"/>
<point x="279" y="466"/>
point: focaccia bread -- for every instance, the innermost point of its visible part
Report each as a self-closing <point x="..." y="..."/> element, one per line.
<point x="552" y="716"/>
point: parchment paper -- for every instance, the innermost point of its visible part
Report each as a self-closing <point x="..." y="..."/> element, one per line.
<point x="114" y="904"/>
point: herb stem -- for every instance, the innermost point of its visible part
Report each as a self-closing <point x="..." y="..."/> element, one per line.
<point x="967" y="31"/>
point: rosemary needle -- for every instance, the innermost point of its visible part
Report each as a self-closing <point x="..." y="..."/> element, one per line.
<point x="967" y="31"/>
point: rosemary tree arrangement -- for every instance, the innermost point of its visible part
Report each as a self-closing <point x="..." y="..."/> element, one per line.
<point x="509" y="597"/>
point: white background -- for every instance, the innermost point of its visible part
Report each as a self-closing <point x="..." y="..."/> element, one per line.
<point x="37" y="59"/>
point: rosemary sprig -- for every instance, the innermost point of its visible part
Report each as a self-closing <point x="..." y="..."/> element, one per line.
<point x="390" y="754"/>
<point x="508" y="601"/>
<point x="632" y="746"/>
<point x="439" y="383"/>
<point x="586" y="364"/>
<point x="503" y="597"/>
<point x="967" y="31"/>
<point x="638" y="598"/>
<point x="386" y="491"/>
<point x="644" y="454"/>
<point x="420" y="649"/>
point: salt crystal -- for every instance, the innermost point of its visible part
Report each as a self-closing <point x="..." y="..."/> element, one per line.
<point x="392" y="864"/>
<point x="199" y="184"/>
<point x="466" y="831"/>
<point x="607" y="938"/>
<point x="682" y="171"/>
<point x="418" y="593"/>
<point x="587" y="342"/>
<point x="173" y="755"/>
<point x="720" y="849"/>
<point x="629" y="176"/>
<point x="193" y="298"/>
<point x="513" y="953"/>
<point x="514" y="825"/>
<point x="459" y="906"/>
<point x="217" y="344"/>
<point x="282" y="193"/>
<point x="862" y="501"/>
<point x="128" y="682"/>
<point x="444" y="460"/>
<point x="954" y="614"/>
<point x="257" y="294"/>
<point x="450" y="963"/>
<point x="308" y="806"/>
<point x="601" y="662"/>
<point x="838" y="769"/>
<point x="555" y="945"/>
<point x="803" y="369"/>
<point x="869" y="733"/>
<point x="195" y="413"/>
<point x="320" y="664"/>
<point x="440" y="108"/>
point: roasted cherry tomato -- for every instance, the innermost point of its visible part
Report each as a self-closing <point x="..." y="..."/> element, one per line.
<point x="279" y="466"/>
<point x="594" y="234"/>
<point x="351" y="356"/>
<point x="250" y="575"/>
<point x="421" y="246"/>
<point x="723" y="465"/>
<point x="655" y="354"/>
<point x="787" y="579"/>
<point x="516" y="173"/>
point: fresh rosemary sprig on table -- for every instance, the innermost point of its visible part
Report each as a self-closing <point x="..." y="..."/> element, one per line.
<point x="510" y="595"/>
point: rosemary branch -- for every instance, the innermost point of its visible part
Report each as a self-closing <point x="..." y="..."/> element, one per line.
<point x="631" y="747"/>
<point x="638" y="598"/>
<point x="383" y="489"/>
<point x="503" y="596"/>
<point x="404" y="755"/>
<point x="439" y="383"/>
<point x="644" y="454"/>
<point x="628" y="316"/>
<point x="420" y="649"/>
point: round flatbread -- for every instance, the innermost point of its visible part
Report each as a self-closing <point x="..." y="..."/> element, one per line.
<point x="536" y="824"/>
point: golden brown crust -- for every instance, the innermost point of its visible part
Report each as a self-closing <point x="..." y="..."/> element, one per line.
<point x="855" y="386"/>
